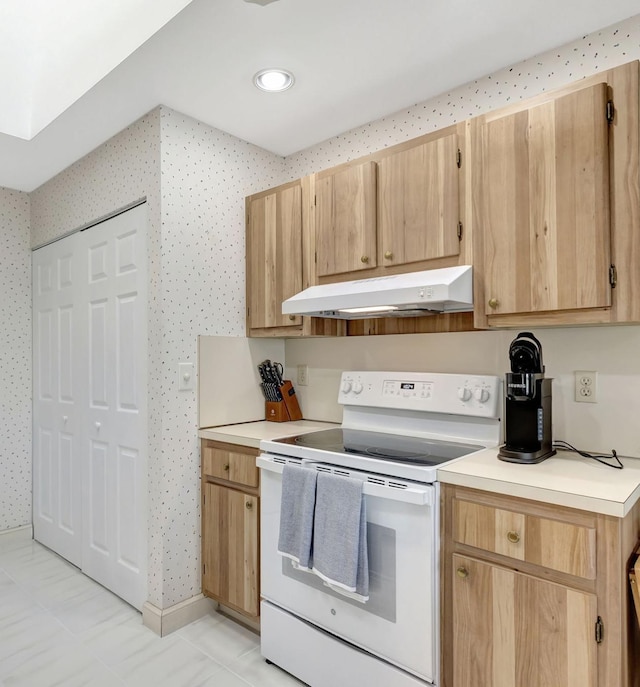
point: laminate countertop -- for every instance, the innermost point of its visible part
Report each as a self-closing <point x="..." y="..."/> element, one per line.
<point x="565" y="479"/>
<point x="251" y="433"/>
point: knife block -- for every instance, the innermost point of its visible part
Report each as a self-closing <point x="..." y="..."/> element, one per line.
<point x="276" y="411"/>
<point x="285" y="410"/>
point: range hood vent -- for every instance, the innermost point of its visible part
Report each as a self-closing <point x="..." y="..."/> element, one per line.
<point x="449" y="289"/>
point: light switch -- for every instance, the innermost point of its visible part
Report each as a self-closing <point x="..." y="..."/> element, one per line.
<point x="186" y="377"/>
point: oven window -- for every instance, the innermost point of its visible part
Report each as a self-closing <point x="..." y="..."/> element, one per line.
<point x="381" y="543"/>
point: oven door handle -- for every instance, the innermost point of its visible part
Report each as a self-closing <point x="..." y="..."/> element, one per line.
<point x="419" y="495"/>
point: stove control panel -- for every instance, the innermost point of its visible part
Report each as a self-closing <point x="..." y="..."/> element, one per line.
<point x="473" y="395"/>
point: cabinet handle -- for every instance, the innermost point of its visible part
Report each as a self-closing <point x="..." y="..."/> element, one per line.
<point x="292" y="317"/>
<point x="364" y="258"/>
<point x="494" y="302"/>
<point x="513" y="537"/>
<point x="226" y="467"/>
<point x="388" y="255"/>
<point x="462" y="572"/>
<point x="248" y="505"/>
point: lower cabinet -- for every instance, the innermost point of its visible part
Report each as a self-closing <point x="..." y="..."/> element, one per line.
<point x="535" y="595"/>
<point x="510" y="627"/>
<point x="231" y="526"/>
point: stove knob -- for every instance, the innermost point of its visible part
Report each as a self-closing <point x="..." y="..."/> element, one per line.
<point x="480" y="394"/>
<point x="346" y="386"/>
<point x="464" y="394"/>
<point x="357" y="387"/>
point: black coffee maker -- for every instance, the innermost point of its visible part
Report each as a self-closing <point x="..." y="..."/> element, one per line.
<point x="528" y="404"/>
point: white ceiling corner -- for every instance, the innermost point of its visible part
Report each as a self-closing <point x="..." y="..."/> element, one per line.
<point x="73" y="73"/>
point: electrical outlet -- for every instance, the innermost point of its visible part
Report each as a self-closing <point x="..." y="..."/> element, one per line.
<point x="303" y="375"/>
<point x="586" y="386"/>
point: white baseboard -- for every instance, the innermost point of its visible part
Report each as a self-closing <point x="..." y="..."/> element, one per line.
<point x="27" y="529"/>
<point x="163" y="621"/>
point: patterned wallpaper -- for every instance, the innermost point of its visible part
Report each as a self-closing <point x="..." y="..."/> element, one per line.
<point x="15" y="360"/>
<point x="595" y="52"/>
<point x="195" y="179"/>
<point x="206" y="175"/>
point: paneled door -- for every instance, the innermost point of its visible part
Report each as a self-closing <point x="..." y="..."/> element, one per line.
<point x="57" y="411"/>
<point x="107" y="361"/>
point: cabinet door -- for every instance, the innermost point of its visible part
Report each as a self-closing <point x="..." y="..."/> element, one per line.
<point x="541" y="197"/>
<point x="274" y="256"/>
<point x="512" y="630"/>
<point x="346" y="220"/>
<point x="230" y="548"/>
<point x="418" y="202"/>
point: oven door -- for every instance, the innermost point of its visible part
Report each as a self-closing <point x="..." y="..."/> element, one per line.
<point x="399" y="622"/>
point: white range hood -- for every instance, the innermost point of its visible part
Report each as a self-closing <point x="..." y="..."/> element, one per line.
<point x="449" y="289"/>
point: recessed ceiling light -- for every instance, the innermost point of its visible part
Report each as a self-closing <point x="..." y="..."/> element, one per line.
<point x="273" y="80"/>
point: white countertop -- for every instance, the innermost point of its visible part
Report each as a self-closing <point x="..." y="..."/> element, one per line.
<point x="251" y="433"/>
<point x="565" y="479"/>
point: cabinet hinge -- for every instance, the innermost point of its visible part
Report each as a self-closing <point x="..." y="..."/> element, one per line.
<point x="459" y="231"/>
<point x="613" y="276"/>
<point x="459" y="158"/>
<point x="610" y="111"/>
<point x="599" y="630"/>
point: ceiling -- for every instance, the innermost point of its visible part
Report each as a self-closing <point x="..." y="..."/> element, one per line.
<point x="76" y="76"/>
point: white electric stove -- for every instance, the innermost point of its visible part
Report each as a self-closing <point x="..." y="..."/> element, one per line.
<point x="397" y="429"/>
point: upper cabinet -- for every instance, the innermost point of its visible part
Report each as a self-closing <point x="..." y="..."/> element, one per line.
<point x="541" y="197"/>
<point x="277" y="248"/>
<point x="345" y="219"/>
<point x="274" y="256"/>
<point x="554" y="201"/>
<point x="397" y="211"/>
<point x="418" y="202"/>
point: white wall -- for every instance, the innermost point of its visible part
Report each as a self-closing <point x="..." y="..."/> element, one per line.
<point x="15" y="360"/>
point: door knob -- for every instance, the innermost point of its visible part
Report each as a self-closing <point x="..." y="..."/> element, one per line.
<point x="98" y="425"/>
<point x="65" y="418"/>
<point x="226" y="467"/>
<point x="248" y="505"/>
<point x="364" y="258"/>
<point x="388" y="255"/>
<point x="292" y="317"/>
<point x="462" y="572"/>
<point x="494" y="302"/>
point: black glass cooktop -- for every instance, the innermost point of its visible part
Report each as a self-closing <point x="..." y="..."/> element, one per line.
<point x="389" y="447"/>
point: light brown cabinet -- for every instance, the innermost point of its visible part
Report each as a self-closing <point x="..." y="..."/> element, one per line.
<point x="419" y="202"/>
<point x="277" y="267"/>
<point x="554" y="194"/>
<point x="399" y="208"/>
<point x="346" y="220"/>
<point x="535" y="594"/>
<point x="230" y="526"/>
<point x="274" y="256"/>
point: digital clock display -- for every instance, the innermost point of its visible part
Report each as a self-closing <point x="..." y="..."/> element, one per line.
<point x="407" y="385"/>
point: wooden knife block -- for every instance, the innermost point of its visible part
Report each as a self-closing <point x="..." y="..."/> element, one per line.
<point x="285" y="410"/>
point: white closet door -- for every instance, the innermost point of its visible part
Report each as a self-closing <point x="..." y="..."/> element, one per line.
<point x="57" y="512"/>
<point x="114" y="475"/>
<point x="91" y="355"/>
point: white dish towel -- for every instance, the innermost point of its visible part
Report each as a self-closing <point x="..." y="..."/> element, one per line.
<point x="340" y="535"/>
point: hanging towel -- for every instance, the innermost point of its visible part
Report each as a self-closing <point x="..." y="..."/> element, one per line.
<point x="340" y="535"/>
<point x="296" y="514"/>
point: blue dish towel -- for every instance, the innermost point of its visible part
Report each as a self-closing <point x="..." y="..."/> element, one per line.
<point x="296" y="515"/>
<point x="340" y="535"/>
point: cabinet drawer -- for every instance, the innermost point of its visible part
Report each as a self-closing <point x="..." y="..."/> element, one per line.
<point x="232" y="465"/>
<point x="563" y="546"/>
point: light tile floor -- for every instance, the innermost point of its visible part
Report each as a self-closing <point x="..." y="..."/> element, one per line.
<point x="59" y="628"/>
